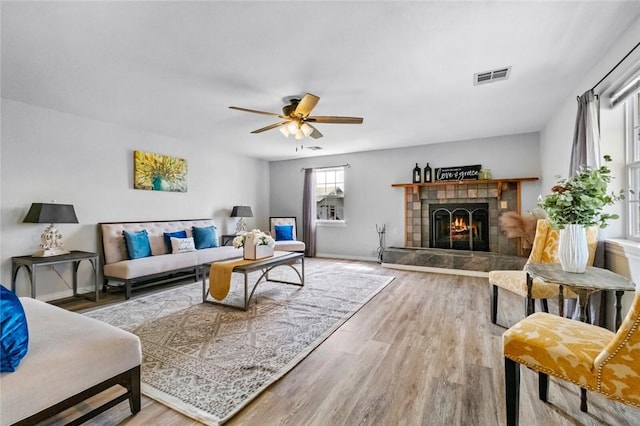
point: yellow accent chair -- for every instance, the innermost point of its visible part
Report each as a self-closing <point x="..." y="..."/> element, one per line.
<point x="544" y="250"/>
<point x="589" y="356"/>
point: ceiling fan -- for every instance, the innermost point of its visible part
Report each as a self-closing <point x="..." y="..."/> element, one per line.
<point x="296" y="118"/>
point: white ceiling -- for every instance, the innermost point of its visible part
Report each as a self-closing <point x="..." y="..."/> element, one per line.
<point x="173" y="68"/>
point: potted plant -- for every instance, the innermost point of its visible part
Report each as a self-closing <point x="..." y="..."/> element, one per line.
<point x="575" y="203"/>
<point x="256" y="244"/>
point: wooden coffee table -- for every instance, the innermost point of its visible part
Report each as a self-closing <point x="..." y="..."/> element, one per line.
<point x="264" y="265"/>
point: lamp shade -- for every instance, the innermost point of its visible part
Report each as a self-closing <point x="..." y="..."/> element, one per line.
<point x="241" y="211"/>
<point x="51" y="213"/>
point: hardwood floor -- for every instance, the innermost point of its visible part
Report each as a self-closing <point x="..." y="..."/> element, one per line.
<point x="422" y="352"/>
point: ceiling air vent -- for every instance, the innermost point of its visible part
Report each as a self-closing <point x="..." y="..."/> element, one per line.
<point x="314" y="148"/>
<point x="491" y="76"/>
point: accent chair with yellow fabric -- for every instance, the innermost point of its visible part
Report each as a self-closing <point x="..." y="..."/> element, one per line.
<point x="589" y="356"/>
<point x="544" y="250"/>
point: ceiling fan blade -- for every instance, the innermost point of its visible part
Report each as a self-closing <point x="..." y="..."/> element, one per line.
<point x="272" y="126"/>
<point x="315" y="134"/>
<point x="334" y="119"/>
<point x="256" y="111"/>
<point x="306" y="104"/>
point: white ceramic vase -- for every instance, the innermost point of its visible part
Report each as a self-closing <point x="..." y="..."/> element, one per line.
<point x="573" y="251"/>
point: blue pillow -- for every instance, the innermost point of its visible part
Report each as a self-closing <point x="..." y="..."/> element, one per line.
<point x="14" y="335"/>
<point x="284" y="232"/>
<point x="176" y="234"/>
<point x="137" y="244"/>
<point x="205" y="237"/>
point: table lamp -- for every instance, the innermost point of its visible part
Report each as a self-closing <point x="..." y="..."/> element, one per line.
<point x="51" y="239"/>
<point x="241" y="212"/>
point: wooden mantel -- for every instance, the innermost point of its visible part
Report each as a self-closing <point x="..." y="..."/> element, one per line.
<point x="416" y="186"/>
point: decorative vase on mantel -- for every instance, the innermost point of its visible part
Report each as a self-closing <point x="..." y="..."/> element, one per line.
<point x="573" y="251"/>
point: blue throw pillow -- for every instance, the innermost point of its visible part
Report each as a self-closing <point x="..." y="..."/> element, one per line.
<point x="205" y="237"/>
<point x="137" y="244"/>
<point x="284" y="232"/>
<point x="169" y="235"/>
<point x="14" y="335"/>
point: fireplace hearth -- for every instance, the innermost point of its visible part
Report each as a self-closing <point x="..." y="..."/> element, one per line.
<point x="459" y="226"/>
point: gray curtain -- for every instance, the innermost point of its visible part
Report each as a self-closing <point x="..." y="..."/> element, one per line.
<point x="309" y="213"/>
<point x="586" y="151"/>
<point x="586" y="137"/>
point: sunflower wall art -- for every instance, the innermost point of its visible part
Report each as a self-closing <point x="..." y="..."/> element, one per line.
<point x="157" y="172"/>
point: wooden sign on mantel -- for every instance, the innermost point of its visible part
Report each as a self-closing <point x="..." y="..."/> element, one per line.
<point x="458" y="173"/>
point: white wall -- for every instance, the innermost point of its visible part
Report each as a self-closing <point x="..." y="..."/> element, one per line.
<point x="48" y="155"/>
<point x="557" y="136"/>
<point x="370" y="199"/>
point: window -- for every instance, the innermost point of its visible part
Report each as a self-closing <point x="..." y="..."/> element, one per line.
<point x="633" y="166"/>
<point x="330" y="194"/>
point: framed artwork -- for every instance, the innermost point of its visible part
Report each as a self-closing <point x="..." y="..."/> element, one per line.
<point x="157" y="172"/>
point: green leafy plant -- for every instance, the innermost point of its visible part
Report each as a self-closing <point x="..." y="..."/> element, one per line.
<point x="581" y="198"/>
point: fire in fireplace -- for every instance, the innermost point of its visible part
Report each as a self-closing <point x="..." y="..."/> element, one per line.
<point x="459" y="226"/>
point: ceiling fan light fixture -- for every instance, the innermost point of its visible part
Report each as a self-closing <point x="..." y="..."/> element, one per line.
<point x="299" y="134"/>
<point x="285" y="131"/>
<point x="306" y="129"/>
<point x="292" y="127"/>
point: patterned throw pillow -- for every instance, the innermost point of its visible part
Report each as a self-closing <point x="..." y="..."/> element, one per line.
<point x="169" y="235"/>
<point x="182" y="245"/>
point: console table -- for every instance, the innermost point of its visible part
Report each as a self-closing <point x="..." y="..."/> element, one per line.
<point x="34" y="263"/>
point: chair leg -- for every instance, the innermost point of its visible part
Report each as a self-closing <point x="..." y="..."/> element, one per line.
<point x="526" y="307"/>
<point x="543" y="386"/>
<point x="512" y="388"/>
<point x="494" y="304"/>
<point x="545" y="305"/>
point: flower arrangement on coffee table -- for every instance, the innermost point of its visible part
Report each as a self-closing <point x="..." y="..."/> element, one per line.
<point x="259" y="239"/>
<point x="256" y="244"/>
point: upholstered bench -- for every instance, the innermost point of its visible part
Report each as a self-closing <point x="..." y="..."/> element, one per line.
<point x="70" y="358"/>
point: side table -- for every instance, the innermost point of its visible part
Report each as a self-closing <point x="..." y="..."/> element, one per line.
<point x="227" y="239"/>
<point x="592" y="280"/>
<point x="34" y="263"/>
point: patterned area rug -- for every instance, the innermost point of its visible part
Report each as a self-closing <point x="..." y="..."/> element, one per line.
<point x="208" y="361"/>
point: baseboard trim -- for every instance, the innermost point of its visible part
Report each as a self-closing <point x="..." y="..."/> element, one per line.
<point x="415" y="268"/>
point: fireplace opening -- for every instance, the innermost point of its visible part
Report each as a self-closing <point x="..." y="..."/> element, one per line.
<point x="459" y="226"/>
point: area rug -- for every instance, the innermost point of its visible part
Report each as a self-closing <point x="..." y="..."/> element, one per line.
<point x="208" y="361"/>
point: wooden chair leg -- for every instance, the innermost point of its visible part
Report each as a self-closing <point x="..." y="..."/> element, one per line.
<point x="512" y="388"/>
<point x="526" y="307"/>
<point x="494" y="304"/>
<point x="545" y="305"/>
<point x="543" y="386"/>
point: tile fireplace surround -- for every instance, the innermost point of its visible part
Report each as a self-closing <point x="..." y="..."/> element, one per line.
<point x="501" y="195"/>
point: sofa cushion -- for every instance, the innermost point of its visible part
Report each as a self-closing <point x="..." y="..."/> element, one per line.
<point x="289" y="246"/>
<point x="168" y="235"/>
<point x="137" y="243"/>
<point x="284" y="232"/>
<point x="14" y="334"/>
<point x="216" y="254"/>
<point x="128" y="269"/>
<point x="205" y="237"/>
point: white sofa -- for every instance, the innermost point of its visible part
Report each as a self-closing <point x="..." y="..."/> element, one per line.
<point x="70" y="358"/>
<point x="161" y="266"/>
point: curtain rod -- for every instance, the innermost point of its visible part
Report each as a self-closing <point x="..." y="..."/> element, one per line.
<point x="324" y="167"/>
<point x="616" y="66"/>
